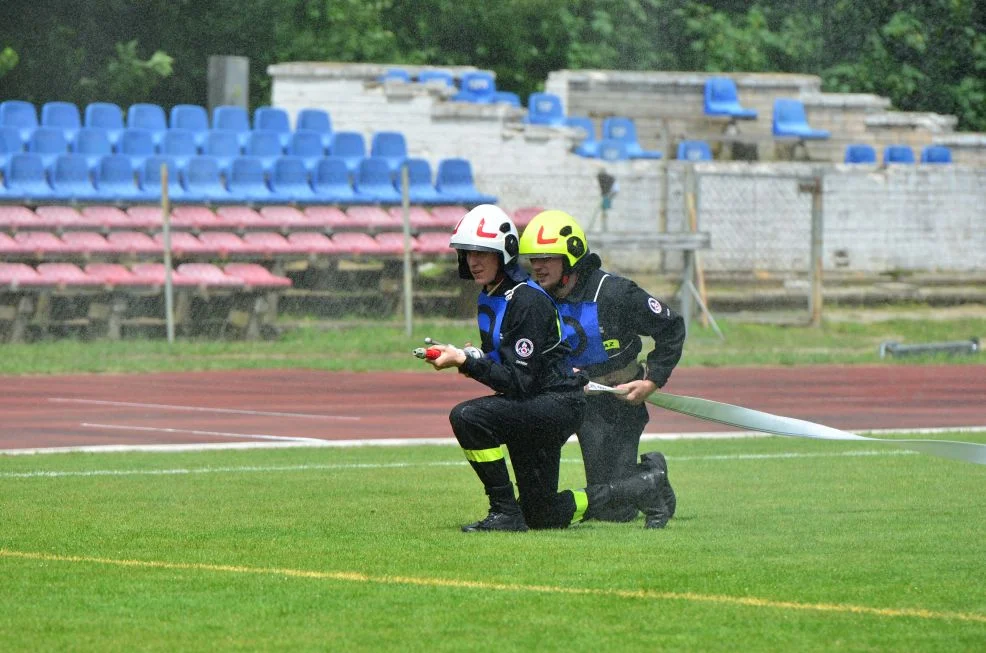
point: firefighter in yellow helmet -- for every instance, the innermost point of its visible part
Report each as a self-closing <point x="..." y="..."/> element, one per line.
<point x="605" y="316"/>
<point x="537" y="401"/>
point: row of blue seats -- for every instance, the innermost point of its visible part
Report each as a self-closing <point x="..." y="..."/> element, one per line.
<point x="224" y="144"/>
<point x="23" y="117"/>
<point x="475" y="87"/>
<point x="203" y="180"/>
<point x="865" y="153"/>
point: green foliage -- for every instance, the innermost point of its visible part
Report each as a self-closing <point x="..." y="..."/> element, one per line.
<point x="126" y="78"/>
<point x="8" y="59"/>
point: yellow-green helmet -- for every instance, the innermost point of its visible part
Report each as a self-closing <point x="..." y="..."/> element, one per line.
<point x="554" y="233"/>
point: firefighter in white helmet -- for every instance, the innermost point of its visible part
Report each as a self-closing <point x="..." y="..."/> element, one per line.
<point x="538" y="401"/>
<point x="604" y="316"/>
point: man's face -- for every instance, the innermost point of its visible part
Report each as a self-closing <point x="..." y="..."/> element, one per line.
<point x="483" y="266"/>
<point x="547" y="270"/>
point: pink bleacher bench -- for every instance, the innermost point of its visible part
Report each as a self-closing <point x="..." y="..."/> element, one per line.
<point x="372" y="218"/>
<point x="435" y="243"/>
<point x="448" y="216"/>
<point x="43" y="244"/>
<point x="223" y="243"/>
<point x="266" y="244"/>
<point x="419" y="217"/>
<point x="85" y="243"/>
<point x="115" y="274"/>
<point x="289" y="218"/>
<point x="64" y="217"/>
<point x="391" y="243"/>
<point x="195" y="218"/>
<point x="209" y="275"/>
<point x="132" y="243"/>
<point x="110" y="217"/>
<point x="67" y="274"/>
<point x="256" y="276"/>
<point x="18" y="275"/>
<point x="329" y="218"/>
<point x="524" y="215"/>
<point x="13" y="218"/>
<point x="145" y="217"/>
<point x="153" y="273"/>
<point x="184" y="244"/>
<point x="312" y="243"/>
<point x="356" y="243"/>
<point x="241" y="218"/>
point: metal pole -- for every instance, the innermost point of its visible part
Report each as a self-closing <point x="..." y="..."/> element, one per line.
<point x="816" y="252"/>
<point x="169" y="299"/>
<point x="408" y="289"/>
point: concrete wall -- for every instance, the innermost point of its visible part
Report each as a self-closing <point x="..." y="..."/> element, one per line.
<point x="876" y="219"/>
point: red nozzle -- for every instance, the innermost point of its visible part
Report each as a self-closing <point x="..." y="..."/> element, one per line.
<point x="431" y="353"/>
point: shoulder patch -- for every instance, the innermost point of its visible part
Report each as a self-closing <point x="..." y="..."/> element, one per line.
<point x="524" y="348"/>
<point x="655" y="305"/>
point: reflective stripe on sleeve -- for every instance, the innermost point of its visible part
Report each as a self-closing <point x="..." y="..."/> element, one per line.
<point x="483" y="455"/>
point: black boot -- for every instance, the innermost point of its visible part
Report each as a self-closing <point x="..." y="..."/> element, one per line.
<point x="655" y="460"/>
<point x="642" y="490"/>
<point x="505" y="514"/>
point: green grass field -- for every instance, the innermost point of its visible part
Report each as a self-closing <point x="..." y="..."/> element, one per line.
<point x="779" y="544"/>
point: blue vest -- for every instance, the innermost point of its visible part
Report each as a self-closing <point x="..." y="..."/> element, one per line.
<point x="580" y="325"/>
<point x="490" y="314"/>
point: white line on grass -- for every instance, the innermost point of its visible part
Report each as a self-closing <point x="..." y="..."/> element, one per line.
<point x="343" y="466"/>
<point x="201" y="409"/>
<point x="453" y="583"/>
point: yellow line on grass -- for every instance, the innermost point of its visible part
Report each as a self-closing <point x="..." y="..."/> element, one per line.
<point x="357" y="577"/>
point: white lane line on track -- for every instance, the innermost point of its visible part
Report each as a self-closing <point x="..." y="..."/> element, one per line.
<point x="202" y="409"/>
<point x="345" y="466"/>
<point x="220" y="434"/>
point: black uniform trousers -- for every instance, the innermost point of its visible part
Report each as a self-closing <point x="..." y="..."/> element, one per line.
<point x="534" y="430"/>
<point x="609" y="438"/>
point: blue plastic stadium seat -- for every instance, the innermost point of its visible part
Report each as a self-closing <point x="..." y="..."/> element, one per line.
<point x="180" y="145"/>
<point x="203" y="182"/>
<point x="375" y="183"/>
<point x="316" y="120"/>
<point x="613" y="150"/>
<point x="589" y="147"/>
<point x="20" y="115"/>
<point x="247" y="180"/>
<point x="349" y="146"/>
<point x="289" y="181"/>
<point x="544" y="109"/>
<point x="307" y="145"/>
<point x="438" y="77"/>
<point x="391" y="147"/>
<point x="860" y="153"/>
<point x="266" y="146"/>
<point x="115" y="180"/>
<point x="273" y="119"/>
<point x="149" y="180"/>
<point x="106" y="116"/>
<point x="395" y="75"/>
<point x="454" y="181"/>
<point x="477" y="87"/>
<point x="25" y="178"/>
<point x="790" y="120"/>
<point x="150" y="117"/>
<point x="421" y="189"/>
<point x="224" y="145"/>
<point x="192" y="117"/>
<point x="138" y="144"/>
<point x="722" y="99"/>
<point x="898" y="154"/>
<point x="506" y="97"/>
<point x="71" y="179"/>
<point x="94" y="143"/>
<point x="331" y="182"/>
<point x="694" y="151"/>
<point x="936" y="154"/>
<point x="49" y="142"/>
<point x="234" y="119"/>
<point x="63" y="115"/>
<point x="10" y="143"/>
<point x="623" y="129"/>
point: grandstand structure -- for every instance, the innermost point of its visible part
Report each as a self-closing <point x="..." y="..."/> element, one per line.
<point x="297" y="205"/>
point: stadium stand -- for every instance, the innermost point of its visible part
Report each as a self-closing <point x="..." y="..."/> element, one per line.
<point x="544" y="109"/>
<point x="589" y="147"/>
<point x="25" y="179"/>
<point x="107" y="116"/>
<point x="94" y="143"/>
<point x="10" y="143"/>
<point x="307" y="145"/>
<point x="391" y="147"/>
<point x="319" y="121"/>
<point x="180" y="145"/>
<point x="437" y="77"/>
<point x="234" y="119"/>
<point x="332" y="218"/>
<point x="860" y="153"/>
<point x="902" y="154"/>
<point x="64" y="116"/>
<point x="936" y="154"/>
<point x="266" y="147"/>
<point x="203" y="182"/>
<point x="289" y="181"/>
<point x="350" y="147"/>
<point x="789" y="119"/>
<point x="192" y="117"/>
<point x="331" y="182"/>
<point x="613" y="150"/>
<point x="49" y="142"/>
<point x="149" y="117"/>
<point x="114" y="179"/>
<point x="722" y="99"/>
<point x="396" y="75"/>
<point x="623" y="129"/>
<point x="21" y="115"/>
<point x="149" y="180"/>
<point x="454" y="182"/>
<point x="275" y="120"/>
<point x="224" y="146"/>
<point x="138" y="144"/>
<point x="421" y="190"/>
<point x="71" y="180"/>
<point x="374" y="181"/>
<point x="247" y="180"/>
<point x="477" y="87"/>
<point x="694" y="151"/>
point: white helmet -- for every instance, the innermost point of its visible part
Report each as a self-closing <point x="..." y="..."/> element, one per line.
<point x="486" y="228"/>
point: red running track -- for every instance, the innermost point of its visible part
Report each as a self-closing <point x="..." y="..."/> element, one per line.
<point x="258" y="405"/>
